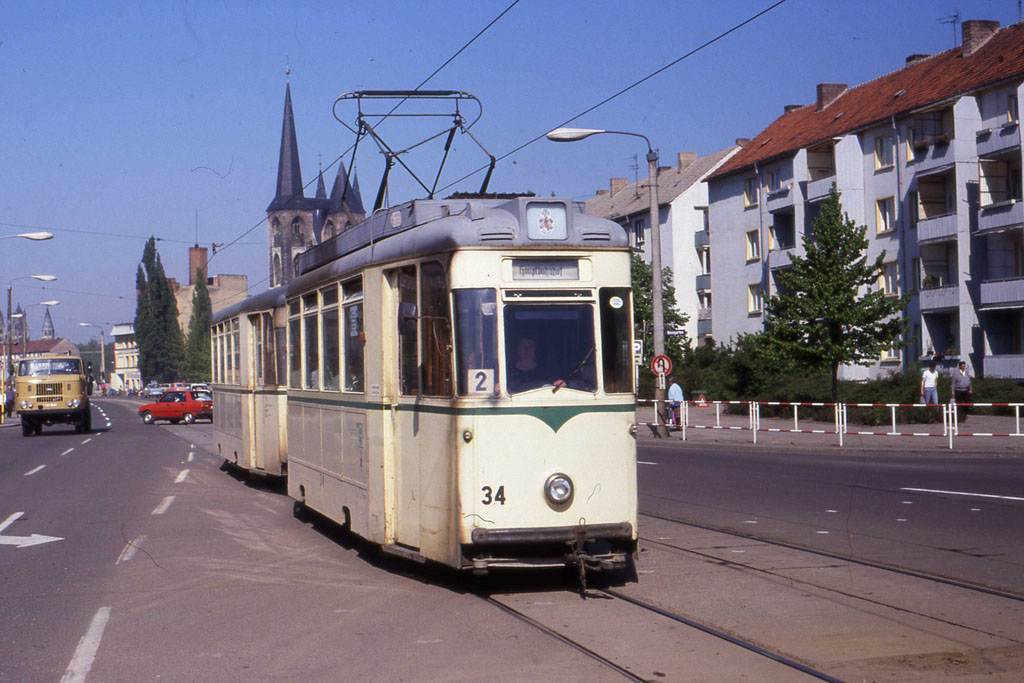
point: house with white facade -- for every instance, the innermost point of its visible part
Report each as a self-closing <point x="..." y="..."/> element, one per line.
<point x="126" y="376"/>
<point x="683" y="217"/>
<point x="928" y="157"/>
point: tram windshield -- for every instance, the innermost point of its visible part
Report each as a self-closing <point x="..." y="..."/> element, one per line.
<point x="550" y="345"/>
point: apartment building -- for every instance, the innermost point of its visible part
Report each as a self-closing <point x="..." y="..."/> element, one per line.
<point x="928" y="157"/>
<point x="683" y="218"/>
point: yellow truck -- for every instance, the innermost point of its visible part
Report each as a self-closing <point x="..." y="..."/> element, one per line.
<point x="52" y="390"/>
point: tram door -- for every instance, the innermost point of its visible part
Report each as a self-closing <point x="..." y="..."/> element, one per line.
<point x="401" y="389"/>
<point x="255" y="353"/>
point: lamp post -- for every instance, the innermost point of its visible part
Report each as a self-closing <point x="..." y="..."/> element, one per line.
<point x="10" y="286"/>
<point x="574" y="134"/>
<point x="103" y="347"/>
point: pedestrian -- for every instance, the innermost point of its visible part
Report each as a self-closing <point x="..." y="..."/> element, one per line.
<point x="675" y="397"/>
<point x="961" y="389"/>
<point x="930" y="385"/>
<point x="9" y="400"/>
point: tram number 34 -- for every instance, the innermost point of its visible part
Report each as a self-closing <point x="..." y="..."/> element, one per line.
<point x="492" y="496"/>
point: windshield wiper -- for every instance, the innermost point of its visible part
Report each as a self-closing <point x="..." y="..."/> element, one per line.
<point x="576" y="369"/>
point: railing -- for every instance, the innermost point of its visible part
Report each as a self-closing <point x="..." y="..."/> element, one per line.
<point x="839" y="425"/>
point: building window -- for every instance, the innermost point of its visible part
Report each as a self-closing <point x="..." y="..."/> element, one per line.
<point x="891" y="354"/>
<point x="913" y="209"/>
<point x="638" y="232"/>
<point x="916" y="267"/>
<point x="883" y="152"/>
<point x="1012" y="112"/>
<point x="773" y="181"/>
<point x="911" y="143"/>
<point x="888" y="282"/>
<point x="885" y="216"/>
<point x="750" y="192"/>
<point x="755" y="300"/>
<point x="753" y="246"/>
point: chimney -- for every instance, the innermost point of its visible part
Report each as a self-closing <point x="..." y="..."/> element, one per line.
<point x="617" y="184"/>
<point x="686" y="158"/>
<point x="975" y="33"/>
<point x="916" y="57"/>
<point x="742" y="142"/>
<point x="791" y="107"/>
<point x="829" y="93"/>
<point x="196" y="259"/>
<point x="601" y="193"/>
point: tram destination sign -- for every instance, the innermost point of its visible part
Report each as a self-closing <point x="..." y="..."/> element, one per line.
<point x="545" y="269"/>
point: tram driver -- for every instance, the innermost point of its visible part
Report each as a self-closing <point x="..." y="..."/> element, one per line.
<point x="525" y="373"/>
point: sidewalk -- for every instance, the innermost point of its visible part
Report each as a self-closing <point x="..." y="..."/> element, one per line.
<point x="739" y="435"/>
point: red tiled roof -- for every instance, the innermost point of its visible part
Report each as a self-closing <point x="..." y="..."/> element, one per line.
<point x="929" y="81"/>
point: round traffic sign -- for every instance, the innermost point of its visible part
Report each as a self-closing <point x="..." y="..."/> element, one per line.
<point x="661" y="365"/>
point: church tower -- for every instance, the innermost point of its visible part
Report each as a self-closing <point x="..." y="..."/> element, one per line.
<point x="48" y="332"/>
<point x="295" y="222"/>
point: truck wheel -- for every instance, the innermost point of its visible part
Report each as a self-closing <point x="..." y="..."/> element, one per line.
<point x="26" y="427"/>
<point x="147" y="418"/>
<point x="188" y="418"/>
<point x="38" y="428"/>
<point x="87" y="423"/>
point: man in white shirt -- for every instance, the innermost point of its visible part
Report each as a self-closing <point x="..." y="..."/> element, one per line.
<point x="930" y="385"/>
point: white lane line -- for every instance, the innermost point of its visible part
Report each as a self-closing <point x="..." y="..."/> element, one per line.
<point x="86" y="441"/>
<point x="191" y="457"/>
<point x="67" y="451"/>
<point x="33" y="471"/>
<point x="964" y="493"/>
<point x="643" y="462"/>
<point x="11" y="519"/>
<point x="85" y="653"/>
<point x="129" y="550"/>
<point x="164" y="504"/>
<point x="821" y="532"/>
<point x="181" y="476"/>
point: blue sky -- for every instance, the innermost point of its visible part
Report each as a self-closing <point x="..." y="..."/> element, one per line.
<point x="120" y="120"/>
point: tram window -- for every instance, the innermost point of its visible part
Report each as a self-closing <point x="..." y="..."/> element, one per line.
<point x="437" y="335"/>
<point x="269" y="366"/>
<point x="407" y="342"/>
<point x="295" y="353"/>
<point x="236" y="353"/>
<point x="353" y="321"/>
<point x="331" y="349"/>
<point x="311" y="339"/>
<point x="256" y="337"/>
<point x="476" y="342"/>
<point x="548" y="344"/>
<point x="616" y="349"/>
<point x="281" y="354"/>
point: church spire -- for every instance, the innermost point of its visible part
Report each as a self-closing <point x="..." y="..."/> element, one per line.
<point x="48" y="331"/>
<point x="289" y="176"/>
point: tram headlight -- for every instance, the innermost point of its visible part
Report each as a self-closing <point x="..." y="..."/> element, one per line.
<point x="558" y="489"/>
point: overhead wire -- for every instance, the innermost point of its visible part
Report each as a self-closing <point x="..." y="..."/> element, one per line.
<point x="623" y="91"/>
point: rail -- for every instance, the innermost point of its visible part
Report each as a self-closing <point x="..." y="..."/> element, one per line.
<point x="682" y="417"/>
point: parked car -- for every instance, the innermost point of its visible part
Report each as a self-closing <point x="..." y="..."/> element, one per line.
<point x="200" y="386"/>
<point x="153" y="390"/>
<point x="179" y="406"/>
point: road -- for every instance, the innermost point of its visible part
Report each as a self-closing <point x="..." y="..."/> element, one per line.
<point x="150" y="560"/>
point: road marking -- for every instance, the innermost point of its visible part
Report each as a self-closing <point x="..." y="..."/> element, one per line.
<point x="129" y="550"/>
<point x="23" y="541"/>
<point x="642" y="462"/>
<point x="33" y="471"/>
<point x="964" y="493"/>
<point x="11" y="519"/>
<point x="164" y="504"/>
<point x="821" y="532"/>
<point x="832" y="511"/>
<point x="975" y="509"/>
<point x="67" y="451"/>
<point x="901" y="519"/>
<point x="181" y="476"/>
<point x="750" y="521"/>
<point x="191" y="457"/>
<point x="86" y="441"/>
<point x="85" y="653"/>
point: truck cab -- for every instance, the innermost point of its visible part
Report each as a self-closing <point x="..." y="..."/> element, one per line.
<point x="51" y="390"/>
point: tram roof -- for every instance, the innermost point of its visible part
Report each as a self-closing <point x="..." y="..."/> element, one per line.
<point x="425" y="226"/>
<point x="264" y="301"/>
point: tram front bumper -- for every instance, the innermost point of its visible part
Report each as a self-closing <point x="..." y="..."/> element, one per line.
<point x="621" y="531"/>
<point x="597" y="546"/>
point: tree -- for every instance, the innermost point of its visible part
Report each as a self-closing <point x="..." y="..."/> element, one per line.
<point x="197" y="346"/>
<point x="156" y="320"/>
<point x="643" y="311"/>
<point x="830" y="309"/>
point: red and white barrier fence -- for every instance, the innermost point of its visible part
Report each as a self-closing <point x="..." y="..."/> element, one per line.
<point x="680" y="416"/>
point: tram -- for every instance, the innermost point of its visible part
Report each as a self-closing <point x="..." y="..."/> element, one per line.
<point x="451" y="380"/>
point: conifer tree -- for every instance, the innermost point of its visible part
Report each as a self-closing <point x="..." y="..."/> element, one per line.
<point x="197" y="346"/>
<point x="161" y="348"/>
<point x="830" y="309"/>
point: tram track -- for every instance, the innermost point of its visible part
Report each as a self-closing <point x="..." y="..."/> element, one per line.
<point x="913" y="573"/>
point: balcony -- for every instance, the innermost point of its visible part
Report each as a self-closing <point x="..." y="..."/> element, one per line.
<point x="935" y="156"/>
<point x="781" y="198"/>
<point x="1010" y="366"/>
<point x="940" y="298"/>
<point x="701" y="238"/>
<point x="780" y="258"/>
<point x="1000" y="139"/>
<point x="703" y="282"/>
<point x="1001" y="216"/>
<point x="937" y="229"/>
<point x="703" y="327"/>
<point x="818" y="189"/>
<point x="1003" y="293"/>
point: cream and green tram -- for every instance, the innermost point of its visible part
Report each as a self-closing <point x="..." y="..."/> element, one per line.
<point x="247" y="353"/>
<point x="460" y="384"/>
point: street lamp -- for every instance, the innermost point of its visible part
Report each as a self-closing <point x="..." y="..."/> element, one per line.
<point x="103" y="349"/>
<point x="574" y="134"/>
<point x="25" y="328"/>
<point x="10" y="286"/>
<point x="37" y="236"/>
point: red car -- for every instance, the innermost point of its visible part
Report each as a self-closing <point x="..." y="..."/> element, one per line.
<point x="179" y="406"/>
